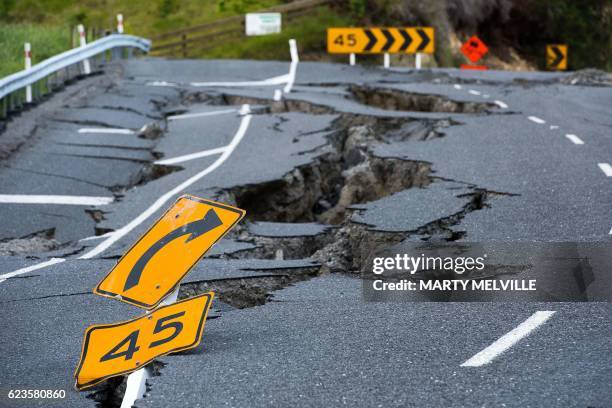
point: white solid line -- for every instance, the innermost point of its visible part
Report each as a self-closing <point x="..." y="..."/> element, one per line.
<point x="200" y="114"/>
<point x="192" y="156"/>
<point x="107" y="130"/>
<point x="457" y="86"/>
<point x="536" y="119"/>
<point x="509" y="339"/>
<point x="121" y="232"/>
<point x="54" y="199"/>
<point x="606" y="168"/>
<point x="575" y="139"/>
<point x="93" y="237"/>
<point x="277" y="80"/>
<point x="31" y="268"/>
<point x="473" y="92"/>
<point x="501" y="104"/>
<point x="295" y="58"/>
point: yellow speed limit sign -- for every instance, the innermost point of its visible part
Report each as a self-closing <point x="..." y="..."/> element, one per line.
<point x="408" y="40"/>
<point x="120" y="348"/>
<point x="151" y="269"/>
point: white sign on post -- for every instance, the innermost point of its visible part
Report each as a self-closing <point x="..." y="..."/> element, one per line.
<point x="263" y="23"/>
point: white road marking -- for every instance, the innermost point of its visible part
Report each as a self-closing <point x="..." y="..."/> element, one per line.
<point x="278" y="95"/>
<point x="93" y="237"/>
<point x="277" y="80"/>
<point x="54" y="199"/>
<point x="536" y="120"/>
<point x="295" y="59"/>
<point x="192" y="156"/>
<point x="473" y="92"/>
<point x="161" y="201"/>
<point x="31" y="268"/>
<point x="160" y="83"/>
<point x="575" y="139"/>
<point x="553" y="127"/>
<point x="457" y="86"/>
<point x="201" y="114"/>
<point x="606" y="168"/>
<point x="610" y="233"/>
<point x="501" y="104"/>
<point x="509" y="339"/>
<point x="107" y="130"/>
<point x="486" y="96"/>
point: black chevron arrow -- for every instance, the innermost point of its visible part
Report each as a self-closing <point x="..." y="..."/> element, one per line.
<point x="424" y="39"/>
<point x="389" y="38"/>
<point x="407" y="40"/>
<point x="558" y="57"/>
<point x="371" y="40"/>
<point x="193" y="229"/>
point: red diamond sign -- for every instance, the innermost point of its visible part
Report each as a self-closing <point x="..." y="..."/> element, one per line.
<point x="474" y="49"/>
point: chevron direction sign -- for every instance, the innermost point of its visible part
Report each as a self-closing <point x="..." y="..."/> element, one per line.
<point x="152" y="268"/>
<point x="406" y="40"/>
<point x="556" y="56"/>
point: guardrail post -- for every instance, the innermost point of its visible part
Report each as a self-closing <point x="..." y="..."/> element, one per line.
<point x="83" y="42"/>
<point x="386" y="60"/>
<point x="120" y="23"/>
<point x="417" y="60"/>
<point x="28" y="65"/>
<point x="352" y="59"/>
<point x="184" y="39"/>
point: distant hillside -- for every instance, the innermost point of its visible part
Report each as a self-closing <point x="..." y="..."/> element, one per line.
<point x="515" y="30"/>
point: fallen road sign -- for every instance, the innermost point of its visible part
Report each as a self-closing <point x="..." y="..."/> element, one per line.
<point x="556" y="56"/>
<point x="115" y="349"/>
<point x="151" y="269"/>
<point x="474" y="49"/>
<point x="408" y="40"/>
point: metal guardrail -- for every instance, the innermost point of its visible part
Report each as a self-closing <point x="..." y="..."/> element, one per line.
<point x="39" y="75"/>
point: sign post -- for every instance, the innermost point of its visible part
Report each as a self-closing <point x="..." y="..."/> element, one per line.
<point x="148" y="275"/>
<point x="474" y="49"/>
<point x="386" y="41"/>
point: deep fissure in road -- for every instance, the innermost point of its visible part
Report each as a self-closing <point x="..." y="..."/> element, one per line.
<point x="345" y="172"/>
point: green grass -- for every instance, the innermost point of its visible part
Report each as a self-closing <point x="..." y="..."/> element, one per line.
<point x="46" y="41"/>
<point x="310" y="31"/>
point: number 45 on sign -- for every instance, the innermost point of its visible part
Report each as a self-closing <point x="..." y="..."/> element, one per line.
<point x="120" y="348"/>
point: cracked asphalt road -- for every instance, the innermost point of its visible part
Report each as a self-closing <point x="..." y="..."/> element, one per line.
<point x="315" y="172"/>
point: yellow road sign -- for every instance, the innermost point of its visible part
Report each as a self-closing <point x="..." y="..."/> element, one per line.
<point x="120" y="348"/>
<point x="160" y="259"/>
<point x="556" y="56"/>
<point x="408" y="40"/>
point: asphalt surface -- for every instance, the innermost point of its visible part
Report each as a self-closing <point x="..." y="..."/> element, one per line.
<point x="315" y="342"/>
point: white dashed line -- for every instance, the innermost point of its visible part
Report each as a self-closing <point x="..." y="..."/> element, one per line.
<point x="473" y="92"/>
<point x="574" y="139"/>
<point x="501" y="104"/>
<point x="606" y="168"/>
<point x="508" y="340"/>
<point x="201" y="114"/>
<point x="536" y="120"/>
<point x="553" y="127"/>
<point x="54" y="199"/>
<point x="21" y="271"/>
<point x="457" y="86"/>
<point x="192" y="156"/>
<point x="107" y="130"/>
<point x="161" y="201"/>
<point x="486" y="96"/>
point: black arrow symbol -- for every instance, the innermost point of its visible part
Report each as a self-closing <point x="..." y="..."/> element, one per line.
<point x="371" y="40"/>
<point x="407" y="40"/>
<point x="194" y="229"/>
<point x="559" y="57"/>
<point x="424" y="39"/>
<point x="389" y="38"/>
